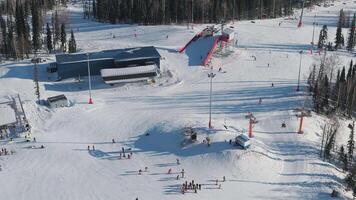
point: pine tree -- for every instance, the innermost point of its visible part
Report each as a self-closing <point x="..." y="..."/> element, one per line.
<point x="326" y="95"/>
<point x="63" y="38"/>
<point x="349" y="72"/>
<point x="72" y="44"/>
<point x="342" y="75"/>
<point x="343" y="158"/>
<point x="323" y="37"/>
<point x="56" y="30"/>
<point x="351" y="38"/>
<point x="36" y="26"/>
<point x="339" y="40"/>
<point x="341" y="153"/>
<point x="351" y="143"/>
<point x="316" y="98"/>
<point x="49" y="38"/>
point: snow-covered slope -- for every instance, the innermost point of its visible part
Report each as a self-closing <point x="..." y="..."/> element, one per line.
<point x="279" y="165"/>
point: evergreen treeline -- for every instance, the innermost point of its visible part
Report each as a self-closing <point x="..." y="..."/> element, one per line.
<point x="186" y="11"/>
<point x="333" y="94"/>
<point x="23" y="30"/>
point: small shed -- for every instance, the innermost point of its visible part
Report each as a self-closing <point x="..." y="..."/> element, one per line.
<point x="243" y="141"/>
<point x="58" y="101"/>
<point x="228" y="32"/>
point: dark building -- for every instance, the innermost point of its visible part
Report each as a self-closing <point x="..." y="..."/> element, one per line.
<point x="74" y="65"/>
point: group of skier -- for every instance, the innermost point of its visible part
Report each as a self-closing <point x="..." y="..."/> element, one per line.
<point x="191" y="186"/>
<point x="5" y="152"/>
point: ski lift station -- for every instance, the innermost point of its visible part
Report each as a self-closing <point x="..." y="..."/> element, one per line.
<point x="118" y="65"/>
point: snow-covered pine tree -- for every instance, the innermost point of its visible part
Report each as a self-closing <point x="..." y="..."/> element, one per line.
<point x="323" y="36"/>
<point x="351" y="144"/>
<point x="339" y="39"/>
<point x="49" y="38"/>
<point x="63" y="38"/>
<point x="72" y="45"/>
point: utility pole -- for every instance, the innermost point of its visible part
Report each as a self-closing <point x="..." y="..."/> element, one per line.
<point x="35" y="61"/>
<point x="300" y="66"/>
<point x="211" y="75"/>
<point x="314" y="24"/>
<point x="301" y="16"/>
<point x="90" y="99"/>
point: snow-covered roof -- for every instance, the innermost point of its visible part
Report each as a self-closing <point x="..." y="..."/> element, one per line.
<point x="7" y="115"/>
<point x="57" y="98"/>
<point x="116" y="54"/>
<point x="128" y="71"/>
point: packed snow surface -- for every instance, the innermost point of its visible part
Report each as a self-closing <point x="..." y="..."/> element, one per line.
<point x="148" y="119"/>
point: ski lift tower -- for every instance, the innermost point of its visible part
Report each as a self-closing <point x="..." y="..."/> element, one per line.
<point x="211" y="75"/>
<point x="301" y="113"/>
<point x="252" y="121"/>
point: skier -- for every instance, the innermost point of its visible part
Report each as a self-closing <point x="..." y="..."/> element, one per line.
<point x="260" y="101"/>
<point x="167" y="37"/>
<point x="182" y="173"/>
<point x="34" y="139"/>
<point x="139" y="171"/>
<point x="88" y="148"/>
<point x="224" y="179"/>
<point x="272" y="85"/>
<point x="268" y="65"/>
<point x="123" y="150"/>
<point x="177" y="177"/>
<point x="146" y="168"/>
<point x="220" y="69"/>
<point x="93" y="148"/>
<point x="178" y="161"/>
<point x="283" y="125"/>
<point x="113" y="140"/>
<point x="169" y="171"/>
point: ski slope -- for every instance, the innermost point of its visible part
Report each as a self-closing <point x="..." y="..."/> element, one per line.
<point x="280" y="164"/>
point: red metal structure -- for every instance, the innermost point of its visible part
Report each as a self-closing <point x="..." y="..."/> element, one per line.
<point x="252" y="120"/>
<point x="302" y="113"/>
<point x="212" y="50"/>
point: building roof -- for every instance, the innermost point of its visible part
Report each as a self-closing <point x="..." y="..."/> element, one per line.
<point x="56" y="98"/>
<point x="116" y="54"/>
<point x="129" y="70"/>
<point x="7" y="115"/>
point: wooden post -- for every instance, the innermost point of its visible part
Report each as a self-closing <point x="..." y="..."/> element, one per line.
<point x="301" y="125"/>
<point x="250" y="129"/>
